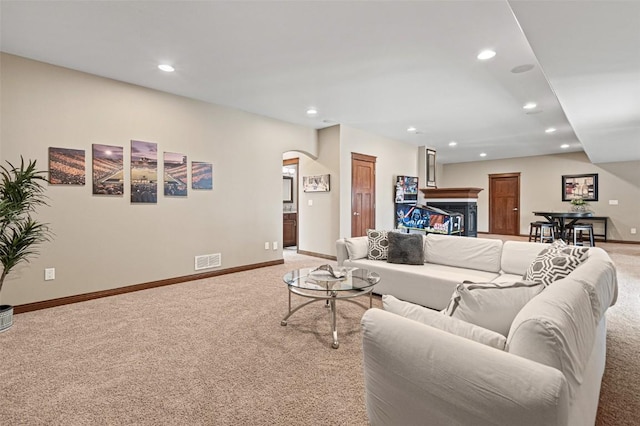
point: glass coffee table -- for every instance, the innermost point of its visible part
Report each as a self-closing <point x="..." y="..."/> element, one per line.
<point x="329" y="284"/>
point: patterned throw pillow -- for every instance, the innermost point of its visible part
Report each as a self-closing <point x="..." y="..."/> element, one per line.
<point x="378" y="244"/>
<point x="555" y="262"/>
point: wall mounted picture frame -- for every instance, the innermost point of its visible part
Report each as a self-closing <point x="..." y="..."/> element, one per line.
<point x="431" y="168"/>
<point x="107" y="170"/>
<point x="583" y="186"/>
<point x="144" y="172"/>
<point x="201" y="175"/>
<point x="318" y="183"/>
<point x="66" y="166"/>
<point x="175" y="175"/>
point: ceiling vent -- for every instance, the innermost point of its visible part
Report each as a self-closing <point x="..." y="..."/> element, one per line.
<point x="207" y="261"/>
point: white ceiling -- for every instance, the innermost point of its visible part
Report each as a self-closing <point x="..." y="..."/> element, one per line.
<point x="377" y="66"/>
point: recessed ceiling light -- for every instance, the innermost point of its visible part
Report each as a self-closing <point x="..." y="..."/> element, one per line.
<point x="412" y="129"/>
<point x="564" y="146"/>
<point x="483" y="154"/>
<point x="312" y="112"/>
<point x="166" y="68"/>
<point x="453" y="143"/>
<point x="486" y="54"/>
<point x="550" y="130"/>
<point x="530" y="105"/>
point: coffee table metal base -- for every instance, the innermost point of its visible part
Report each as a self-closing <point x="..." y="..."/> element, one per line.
<point x="330" y="299"/>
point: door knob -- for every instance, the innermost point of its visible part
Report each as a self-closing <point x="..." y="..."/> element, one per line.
<point x="515" y="209"/>
<point x="356" y="214"/>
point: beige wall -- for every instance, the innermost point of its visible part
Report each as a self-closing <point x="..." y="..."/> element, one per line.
<point x="102" y="243"/>
<point x="540" y="188"/>
<point x="319" y="221"/>
<point x="393" y="158"/>
<point x="329" y="218"/>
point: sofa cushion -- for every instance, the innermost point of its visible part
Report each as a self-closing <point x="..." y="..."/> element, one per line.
<point x="357" y="248"/>
<point x="449" y="324"/>
<point x="518" y="255"/>
<point x="427" y="285"/>
<point x="405" y="248"/>
<point x="378" y="244"/>
<point x="557" y="329"/>
<point x="491" y="305"/>
<point x="555" y="262"/>
<point x="599" y="278"/>
<point x="482" y="254"/>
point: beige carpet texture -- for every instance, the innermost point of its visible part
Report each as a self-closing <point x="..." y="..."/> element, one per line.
<point x="213" y="352"/>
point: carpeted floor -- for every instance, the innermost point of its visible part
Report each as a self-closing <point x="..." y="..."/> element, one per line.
<point x="212" y="352"/>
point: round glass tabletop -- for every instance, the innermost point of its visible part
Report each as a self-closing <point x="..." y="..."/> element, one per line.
<point x="335" y="279"/>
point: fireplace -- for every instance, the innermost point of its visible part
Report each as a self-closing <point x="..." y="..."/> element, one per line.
<point x="457" y="200"/>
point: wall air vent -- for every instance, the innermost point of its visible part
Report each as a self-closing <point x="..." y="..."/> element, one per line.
<point x="207" y="261"/>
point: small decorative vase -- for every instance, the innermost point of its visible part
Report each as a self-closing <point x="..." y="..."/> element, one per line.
<point x="580" y="208"/>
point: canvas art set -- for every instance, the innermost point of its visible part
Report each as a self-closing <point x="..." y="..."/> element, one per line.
<point x="67" y="167"/>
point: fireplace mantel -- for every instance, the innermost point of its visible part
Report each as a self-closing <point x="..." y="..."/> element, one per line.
<point x="451" y="192"/>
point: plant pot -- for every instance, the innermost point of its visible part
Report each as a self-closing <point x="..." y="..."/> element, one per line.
<point x="6" y="317"/>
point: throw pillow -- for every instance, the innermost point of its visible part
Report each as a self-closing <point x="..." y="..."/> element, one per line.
<point x="450" y="325"/>
<point x="491" y="305"/>
<point x="378" y="244"/>
<point x="555" y="262"/>
<point x="357" y="248"/>
<point x="406" y="248"/>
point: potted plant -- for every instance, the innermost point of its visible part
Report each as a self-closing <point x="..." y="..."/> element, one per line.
<point x="578" y="204"/>
<point x="21" y="192"/>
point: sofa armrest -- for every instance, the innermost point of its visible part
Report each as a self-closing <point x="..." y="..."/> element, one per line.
<point x="341" y="251"/>
<point x="415" y="373"/>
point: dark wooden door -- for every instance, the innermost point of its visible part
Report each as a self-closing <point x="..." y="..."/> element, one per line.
<point x="363" y="194"/>
<point x="504" y="204"/>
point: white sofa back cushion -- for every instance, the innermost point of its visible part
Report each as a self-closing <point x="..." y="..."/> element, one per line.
<point x="357" y="247"/>
<point x="556" y="328"/>
<point x="491" y="305"/>
<point x="451" y="325"/>
<point x="598" y="276"/>
<point x="518" y="255"/>
<point x="482" y="254"/>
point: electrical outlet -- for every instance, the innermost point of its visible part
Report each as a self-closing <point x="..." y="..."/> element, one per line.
<point x="613" y="202"/>
<point x="275" y="245"/>
<point x="633" y="230"/>
<point x="266" y="245"/>
<point x="310" y="202"/>
<point x="49" y="274"/>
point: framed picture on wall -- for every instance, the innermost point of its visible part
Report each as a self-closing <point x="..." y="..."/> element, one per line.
<point x="580" y="186"/>
<point x="320" y="183"/>
<point x="201" y="175"/>
<point x="431" y="168"/>
<point x="66" y="166"/>
<point x="175" y="174"/>
<point x="144" y="172"/>
<point x="108" y="170"/>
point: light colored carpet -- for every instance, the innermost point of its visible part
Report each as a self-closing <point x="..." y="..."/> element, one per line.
<point x="213" y="352"/>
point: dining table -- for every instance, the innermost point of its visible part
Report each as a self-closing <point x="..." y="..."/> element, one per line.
<point x="564" y="220"/>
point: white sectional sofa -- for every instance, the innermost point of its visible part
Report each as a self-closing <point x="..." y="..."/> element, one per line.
<point x="549" y="372"/>
<point x="448" y="262"/>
